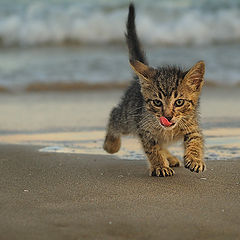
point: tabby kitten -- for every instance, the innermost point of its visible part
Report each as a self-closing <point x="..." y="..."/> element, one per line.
<point x="160" y="107"/>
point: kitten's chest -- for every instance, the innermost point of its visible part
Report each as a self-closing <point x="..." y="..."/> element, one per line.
<point x="168" y="137"/>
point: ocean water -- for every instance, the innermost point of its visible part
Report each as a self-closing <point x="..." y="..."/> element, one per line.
<point x="83" y="40"/>
<point x="217" y="147"/>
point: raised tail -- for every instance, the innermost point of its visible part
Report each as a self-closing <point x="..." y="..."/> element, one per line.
<point x="133" y="43"/>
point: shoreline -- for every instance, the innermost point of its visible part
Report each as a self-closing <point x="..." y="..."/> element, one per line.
<point x="74" y="196"/>
<point x="221" y="143"/>
<point x="82" y="86"/>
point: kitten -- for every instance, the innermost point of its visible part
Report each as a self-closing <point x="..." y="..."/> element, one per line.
<point x="160" y="107"/>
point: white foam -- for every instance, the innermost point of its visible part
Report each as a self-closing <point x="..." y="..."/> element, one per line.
<point x="41" y="23"/>
<point x="218" y="148"/>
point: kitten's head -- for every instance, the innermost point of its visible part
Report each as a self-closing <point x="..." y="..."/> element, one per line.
<point x="171" y="94"/>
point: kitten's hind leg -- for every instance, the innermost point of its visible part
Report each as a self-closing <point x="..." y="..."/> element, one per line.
<point x="173" y="161"/>
<point x="159" y="165"/>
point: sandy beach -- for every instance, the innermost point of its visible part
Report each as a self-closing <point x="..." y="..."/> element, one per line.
<point x="74" y="196"/>
<point x="63" y="66"/>
<point x="58" y="183"/>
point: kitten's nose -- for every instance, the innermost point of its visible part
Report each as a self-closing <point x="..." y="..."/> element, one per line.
<point x="169" y="118"/>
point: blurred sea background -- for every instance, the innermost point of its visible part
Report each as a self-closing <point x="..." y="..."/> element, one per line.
<point x="82" y="41"/>
<point x="52" y="45"/>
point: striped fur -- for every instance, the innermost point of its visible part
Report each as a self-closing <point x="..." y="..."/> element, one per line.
<point x="137" y="113"/>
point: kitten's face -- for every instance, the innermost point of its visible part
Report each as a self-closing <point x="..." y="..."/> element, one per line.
<point x="170" y="94"/>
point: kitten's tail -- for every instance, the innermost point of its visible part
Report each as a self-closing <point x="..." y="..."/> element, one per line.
<point x="133" y="43"/>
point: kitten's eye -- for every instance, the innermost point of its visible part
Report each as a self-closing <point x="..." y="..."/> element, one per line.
<point x="157" y="103"/>
<point x="179" y="102"/>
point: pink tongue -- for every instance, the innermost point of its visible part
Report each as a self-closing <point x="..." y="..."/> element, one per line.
<point x="165" y="122"/>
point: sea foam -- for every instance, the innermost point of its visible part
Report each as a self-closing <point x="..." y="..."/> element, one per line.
<point x="99" y="22"/>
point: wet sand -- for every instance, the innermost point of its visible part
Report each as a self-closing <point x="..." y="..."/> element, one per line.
<point x="57" y="111"/>
<point x="75" y="122"/>
<point x="74" y="196"/>
<point x="46" y="195"/>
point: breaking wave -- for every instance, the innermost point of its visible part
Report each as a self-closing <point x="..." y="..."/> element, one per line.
<point x="99" y="22"/>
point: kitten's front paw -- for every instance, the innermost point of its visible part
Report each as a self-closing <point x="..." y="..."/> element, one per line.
<point x="195" y="165"/>
<point x="112" y="144"/>
<point x="161" y="171"/>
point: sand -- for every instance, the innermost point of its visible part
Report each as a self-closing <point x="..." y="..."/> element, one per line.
<point x="46" y="195"/>
<point x="74" y="196"/>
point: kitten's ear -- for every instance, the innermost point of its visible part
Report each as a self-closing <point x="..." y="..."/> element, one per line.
<point x="195" y="77"/>
<point x="143" y="71"/>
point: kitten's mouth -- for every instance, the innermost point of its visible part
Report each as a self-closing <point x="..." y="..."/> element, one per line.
<point x="165" y="122"/>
